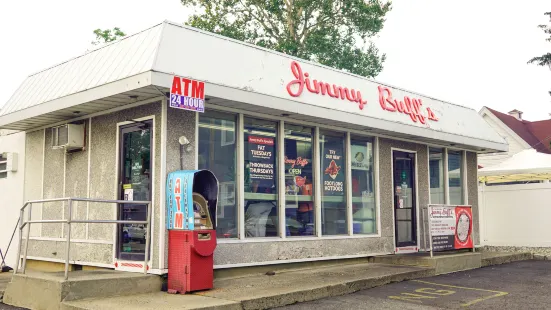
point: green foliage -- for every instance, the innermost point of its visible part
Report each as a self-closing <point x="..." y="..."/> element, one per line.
<point x="107" y="35"/>
<point x="335" y="33"/>
<point x="545" y="59"/>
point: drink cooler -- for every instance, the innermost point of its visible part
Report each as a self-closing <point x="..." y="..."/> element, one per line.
<point x="190" y="260"/>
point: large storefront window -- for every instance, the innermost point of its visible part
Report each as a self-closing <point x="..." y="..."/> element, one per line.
<point x="217" y="153"/>
<point x="299" y="180"/>
<point x="363" y="187"/>
<point x="261" y="199"/>
<point x="333" y="172"/>
<point x="455" y="175"/>
<point x="436" y="166"/>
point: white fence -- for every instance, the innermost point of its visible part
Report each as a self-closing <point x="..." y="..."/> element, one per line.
<point x="515" y="215"/>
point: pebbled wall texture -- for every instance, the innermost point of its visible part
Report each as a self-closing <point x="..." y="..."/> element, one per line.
<point x="92" y="173"/>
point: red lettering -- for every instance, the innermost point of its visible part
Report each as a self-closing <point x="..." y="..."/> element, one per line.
<point x="297" y="72"/>
<point x="431" y="115"/>
<point x="409" y="106"/>
<point x="179" y="220"/>
<point x="176" y="86"/>
<point x="177" y="189"/>
<point x="198" y="90"/>
<point x="296" y="87"/>
<point x="178" y="204"/>
<point x="186" y="86"/>
<point x="383" y="101"/>
<point x="360" y="101"/>
<point x="325" y="88"/>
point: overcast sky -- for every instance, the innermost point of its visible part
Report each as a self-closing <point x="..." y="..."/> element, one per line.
<point x="469" y="52"/>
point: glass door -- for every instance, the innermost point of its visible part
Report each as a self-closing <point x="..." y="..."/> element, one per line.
<point x="404" y="198"/>
<point x="134" y="184"/>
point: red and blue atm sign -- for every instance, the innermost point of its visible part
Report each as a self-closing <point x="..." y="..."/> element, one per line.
<point x="187" y="94"/>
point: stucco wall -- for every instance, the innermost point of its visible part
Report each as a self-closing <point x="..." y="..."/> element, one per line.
<point x="92" y="171"/>
<point x="179" y="123"/>
<point x="387" y="188"/>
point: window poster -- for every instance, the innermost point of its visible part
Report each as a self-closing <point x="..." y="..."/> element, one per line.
<point x="333" y="170"/>
<point x="261" y="162"/>
<point x="296" y="167"/>
<point x="360" y="160"/>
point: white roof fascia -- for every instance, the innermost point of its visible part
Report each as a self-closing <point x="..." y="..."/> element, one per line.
<point x="510" y="132"/>
<point x="290" y="106"/>
<point x="114" y="88"/>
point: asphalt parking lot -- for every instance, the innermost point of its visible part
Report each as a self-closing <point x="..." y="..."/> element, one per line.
<point x="519" y="285"/>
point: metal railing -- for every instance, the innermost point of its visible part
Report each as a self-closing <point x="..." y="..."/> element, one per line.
<point x="69" y="221"/>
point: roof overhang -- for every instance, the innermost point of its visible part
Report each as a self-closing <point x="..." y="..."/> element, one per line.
<point x="241" y="77"/>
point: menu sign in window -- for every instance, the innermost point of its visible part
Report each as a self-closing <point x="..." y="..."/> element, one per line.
<point x="451" y="227"/>
<point x="261" y="158"/>
<point x="333" y="176"/>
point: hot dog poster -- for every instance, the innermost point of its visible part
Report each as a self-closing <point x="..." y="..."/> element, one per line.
<point x="333" y="168"/>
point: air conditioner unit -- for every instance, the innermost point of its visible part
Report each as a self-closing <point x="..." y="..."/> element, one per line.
<point x="8" y="162"/>
<point x="68" y="136"/>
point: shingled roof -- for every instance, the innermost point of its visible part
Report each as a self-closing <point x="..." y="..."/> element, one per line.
<point x="536" y="134"/>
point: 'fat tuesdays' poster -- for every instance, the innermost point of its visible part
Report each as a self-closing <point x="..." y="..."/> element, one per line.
<point x="333" y="165"/>
<point x="261" y="156"/>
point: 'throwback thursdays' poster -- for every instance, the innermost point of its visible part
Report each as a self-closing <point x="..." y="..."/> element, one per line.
<point x="451" y="227"/>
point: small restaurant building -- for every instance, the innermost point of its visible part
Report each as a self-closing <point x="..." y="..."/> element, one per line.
<point x="313" y="163"/>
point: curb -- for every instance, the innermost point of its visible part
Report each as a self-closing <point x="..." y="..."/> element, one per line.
<point x="348" y="287"/>
<point x="498" y="260"/>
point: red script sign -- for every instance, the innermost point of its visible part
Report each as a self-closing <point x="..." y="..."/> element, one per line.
<point x="409" y="106"/>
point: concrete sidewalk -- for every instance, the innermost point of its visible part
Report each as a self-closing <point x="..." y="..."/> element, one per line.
<point x="264" y="292"/>
<point x="5" y="278"/>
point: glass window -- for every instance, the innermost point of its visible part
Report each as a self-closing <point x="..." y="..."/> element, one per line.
<point x="436" y="170"/>
<point x="455" y="174"/>
<point x="333" y="172"/>
<point x="363" y="186"/>
<point x="299" y="180"/>
<point x="217" y="153"/>
<point x="261" y="216"/>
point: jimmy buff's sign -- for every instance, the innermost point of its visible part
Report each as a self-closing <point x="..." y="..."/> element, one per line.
<point x="187" y="94"/>
<point x="451" y="227"/>
<point x="179" y="200"/>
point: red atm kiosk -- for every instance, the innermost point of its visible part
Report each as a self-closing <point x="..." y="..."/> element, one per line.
<point x="191" y="222"/>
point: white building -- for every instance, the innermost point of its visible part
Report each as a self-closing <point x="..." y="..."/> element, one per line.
<point x="520" y="134"/>
<point x="12" y="172"/>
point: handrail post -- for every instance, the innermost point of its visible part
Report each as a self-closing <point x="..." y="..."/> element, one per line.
<point x="147" y="238"/>
<point x="27" y="239"/>
<point x="21" y="219"/>
<point x="67" y="257"/>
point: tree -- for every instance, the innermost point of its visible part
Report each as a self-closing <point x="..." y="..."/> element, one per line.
<point x="107" y="35"/>
<point x="335" y="33"/>
<point x="545" y="59"/>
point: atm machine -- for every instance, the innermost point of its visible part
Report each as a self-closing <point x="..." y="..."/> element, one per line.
<point x="192" y="197"/>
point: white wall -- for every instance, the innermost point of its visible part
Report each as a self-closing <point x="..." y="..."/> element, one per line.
<point x="516" y="215"/>
<point x="11" y="193"/>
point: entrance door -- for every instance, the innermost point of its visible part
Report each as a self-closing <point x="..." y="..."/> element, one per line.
<point x="134" y="184"/>
<point x="404" y="199"/>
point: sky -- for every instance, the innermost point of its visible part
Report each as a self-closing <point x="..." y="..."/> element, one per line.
<point x="468" y="52"/>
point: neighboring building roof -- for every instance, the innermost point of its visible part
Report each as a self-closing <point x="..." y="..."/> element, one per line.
<point x="536" y="134"/>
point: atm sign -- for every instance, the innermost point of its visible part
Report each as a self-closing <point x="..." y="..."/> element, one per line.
<point x="187" y="94"/>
